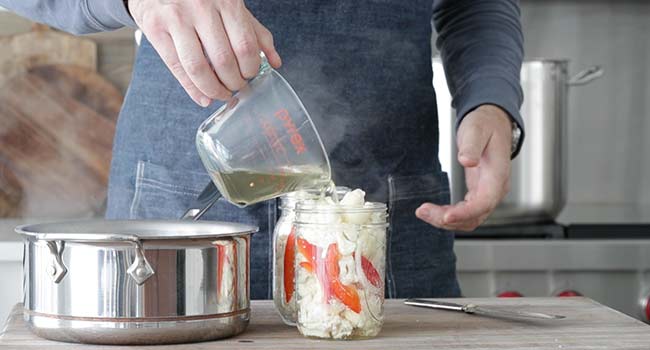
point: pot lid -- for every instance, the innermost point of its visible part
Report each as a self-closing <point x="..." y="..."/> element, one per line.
<point x="108" y="230"/>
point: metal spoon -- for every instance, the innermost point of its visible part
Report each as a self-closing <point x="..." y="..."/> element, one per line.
<point x="480" y="310"/>
<point x="202" y="203"/>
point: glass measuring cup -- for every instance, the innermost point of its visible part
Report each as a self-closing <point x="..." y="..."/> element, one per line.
<point x="262" y="143"/>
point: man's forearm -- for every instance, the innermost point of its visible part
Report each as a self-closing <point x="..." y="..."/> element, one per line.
<point x="481" y="45"/>
<point x="74" y="16"/>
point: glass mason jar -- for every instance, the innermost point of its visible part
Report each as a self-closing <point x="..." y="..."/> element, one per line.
<point x="341" y="258"/>
<point x="284" y="241"/>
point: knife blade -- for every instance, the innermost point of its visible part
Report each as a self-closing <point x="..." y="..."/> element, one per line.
<point x="481" y="310"/>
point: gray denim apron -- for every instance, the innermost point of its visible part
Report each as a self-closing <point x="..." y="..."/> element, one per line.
<point x="362" y="69"/>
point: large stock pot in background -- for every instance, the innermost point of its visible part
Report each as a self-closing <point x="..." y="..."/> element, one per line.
<point x="136" y="282"/>
<point x="539" y="173"/>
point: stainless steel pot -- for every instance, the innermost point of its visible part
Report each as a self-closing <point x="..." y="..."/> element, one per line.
<point x="539" y="173"/>
<point x="138" y="282"/>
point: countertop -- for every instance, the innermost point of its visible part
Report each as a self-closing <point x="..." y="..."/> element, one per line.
<point x="583" y="213"/>
<point x="589" y="325"/>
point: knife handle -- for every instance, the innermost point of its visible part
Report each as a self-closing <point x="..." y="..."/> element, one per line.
<point x="434" y="304"/>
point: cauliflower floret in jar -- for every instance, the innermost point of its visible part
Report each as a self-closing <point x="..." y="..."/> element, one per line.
<point x="346" y="260"/>
<point x="354" y="318"/>
<point x="354" y="199"/>
<point x="376" y="217"/>
<point x="309" y="288"/>
<point x="327" y="218"/>
<point x="318" y="237"/>
<point x="373" y="244"/>
<point x="351" y="232"/>
<point x="284" y="252"/>
<point x="347" y="240"/>
<point x="348" y="270"/>
<point x="339" y="327"/>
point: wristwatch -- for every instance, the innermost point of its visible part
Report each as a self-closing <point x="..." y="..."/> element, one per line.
<point x="516" y="137"/>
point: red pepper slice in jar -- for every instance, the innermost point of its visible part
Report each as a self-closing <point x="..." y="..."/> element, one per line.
<point x="308" y="266"/>
<point x="332" y="261"/>
<point x="328" y="274"/>
<point x="311" y="253"/>
<point x="307" y="250"/>
<point x="371" y="272"/>
<point x="346" y="294"/>
<point x="290" y="266"/>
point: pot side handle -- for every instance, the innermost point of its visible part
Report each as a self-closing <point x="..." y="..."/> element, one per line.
<point x="140" y="270"/>
<point x="586" y="76"/>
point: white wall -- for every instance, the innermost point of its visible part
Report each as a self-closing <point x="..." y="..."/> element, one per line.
<point x="11" y="283"/>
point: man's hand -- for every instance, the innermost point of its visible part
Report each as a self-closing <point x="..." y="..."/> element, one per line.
<point x="210" y="46"/>
<point x="484" y="146"/>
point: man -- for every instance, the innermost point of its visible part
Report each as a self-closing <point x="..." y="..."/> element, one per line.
<point x="363" y="70"/>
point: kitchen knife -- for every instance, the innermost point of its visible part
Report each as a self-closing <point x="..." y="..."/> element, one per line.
<point x="480" y="310"/>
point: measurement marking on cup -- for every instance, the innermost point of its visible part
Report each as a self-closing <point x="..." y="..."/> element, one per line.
<point x="296" y="139"/>
<point x="273" y="139"/>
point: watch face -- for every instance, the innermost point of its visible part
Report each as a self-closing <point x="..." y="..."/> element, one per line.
<point x="516" y="136"/>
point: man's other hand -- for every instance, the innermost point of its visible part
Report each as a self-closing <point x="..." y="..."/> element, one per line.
<point x="484" y="148"/>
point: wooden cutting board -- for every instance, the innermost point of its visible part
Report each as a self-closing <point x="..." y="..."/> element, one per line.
<point x="44" y="46"/>
<point x="56" y="134"/>
<point x="588" y="325"/>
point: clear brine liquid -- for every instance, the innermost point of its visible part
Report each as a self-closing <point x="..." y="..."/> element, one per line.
<point x="330" y="191"/>
<point x="247" y="187"/>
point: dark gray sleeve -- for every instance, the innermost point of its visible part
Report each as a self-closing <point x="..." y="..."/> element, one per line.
<point x="481" y="46"/>
<point x="74" y="16"/>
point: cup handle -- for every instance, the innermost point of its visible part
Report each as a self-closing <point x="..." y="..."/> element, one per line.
<point x="264" y="64"/>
